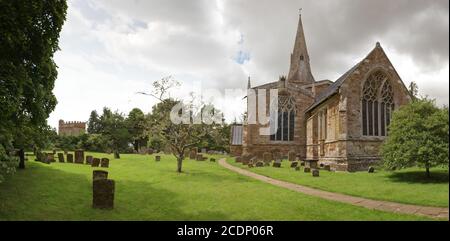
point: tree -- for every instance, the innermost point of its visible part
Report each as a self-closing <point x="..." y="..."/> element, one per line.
<point x="29" y="33"/>
<point x="413" y="90"/>
<point x="418" y="136"/>
<point x="136" y="127"/>
<point x="162" y="87"/>
<point x="93" y="123"/>
<point x="114" y="127"/>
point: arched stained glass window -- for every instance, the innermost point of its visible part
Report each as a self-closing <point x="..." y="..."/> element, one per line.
<point x="285" y="121"/>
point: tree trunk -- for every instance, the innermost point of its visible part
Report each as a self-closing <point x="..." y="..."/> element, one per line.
<point x="179" y="164"/>
<point x="21" y="159"/>
<point x="428" y="172"/>
<point x="136" y="145"/>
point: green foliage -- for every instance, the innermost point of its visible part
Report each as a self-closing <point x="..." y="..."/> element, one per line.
<point x="418" y="136"/>
<point x="94" y="123"/>
<point x="7" y="164"/>
<point x="29" y="33"/>
<point x="136" y="123"/>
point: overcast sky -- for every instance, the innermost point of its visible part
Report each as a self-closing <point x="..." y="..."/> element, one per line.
<point x="110" y="49"/>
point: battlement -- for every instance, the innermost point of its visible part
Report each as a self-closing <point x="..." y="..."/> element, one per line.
<point x="71" y="128"/>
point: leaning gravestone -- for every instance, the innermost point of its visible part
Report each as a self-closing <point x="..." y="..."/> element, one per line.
<point x="99" y="174"/>
<point x="60" y="157"/>
<point x="89" y="160"/>
<point x="103" y="193"/>
<point x="307" y="169"/>
<point x="69" y="157"/>
<point x="95" y="162"/>
<point x="294" y="164"/>
<point x="104" y="162"/>
<point x="315" y="172"/>
<point x="79" y="156"/>
<point x="157" y="158"/>
<point x="291" y="156"/>
<point x="371" y="169"/>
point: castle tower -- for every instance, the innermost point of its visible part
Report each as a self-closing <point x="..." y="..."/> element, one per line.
<point x="300" y="69"/>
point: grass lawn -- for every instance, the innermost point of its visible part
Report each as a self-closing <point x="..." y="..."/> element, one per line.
<point x="149" y="190"/>
<point x="405" y="186"/>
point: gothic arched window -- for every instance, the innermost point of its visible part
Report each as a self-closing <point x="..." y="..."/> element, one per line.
<point x="285" y="121"/>
<point x="376" y="107"/>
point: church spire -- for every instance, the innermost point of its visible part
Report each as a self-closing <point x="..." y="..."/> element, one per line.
<point x="249" y="86"/>
<point x="300" y="70"/>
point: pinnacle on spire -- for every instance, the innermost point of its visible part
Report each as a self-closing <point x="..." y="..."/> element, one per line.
<point x="300" y="69"/>
<point x="249" y="86"/>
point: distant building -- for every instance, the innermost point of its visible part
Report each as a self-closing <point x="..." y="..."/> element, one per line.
<point x="71" y="128"/>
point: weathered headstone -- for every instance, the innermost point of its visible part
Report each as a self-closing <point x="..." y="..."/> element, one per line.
<point x="99" y="174"/>
<point x="95" y="162"/>
<point x="79" y="156"/>
<point x="259" y="164"/>
<point x="150" y="151"/>
<point x="267" y="157"/>
<point x="89" y="160"/>
<point x="50" y="157"/>
<point x="307" y="169"/>
<point x="238" y="159"/>
<point x="103" y="193"/>
<point x="212" y="159"/>
<point x="294" y="164"/>
<point x="158" y="158"/>
<point x="104" y="162"/>
<point x="315" y="172"/>
<point x="69" y="157"/>
<point x="302" y="163"/>
<point x="291" y="156"/>
<point x="371" y="169"/>
<point x="327" y="167"/>
<point x="277" y="164"/>
<point x="199" y="157"/>
<point x="193" y="154"/>
<point x="60" y="157"/>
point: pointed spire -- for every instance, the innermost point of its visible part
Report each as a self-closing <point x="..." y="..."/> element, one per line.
<point x="249" y="86"/>
<point x="300" y="69"/>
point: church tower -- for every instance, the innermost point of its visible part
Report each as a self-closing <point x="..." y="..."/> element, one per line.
<point x="300" y="70"/>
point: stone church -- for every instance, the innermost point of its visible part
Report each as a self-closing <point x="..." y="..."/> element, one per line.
<point x="340" y="123"/>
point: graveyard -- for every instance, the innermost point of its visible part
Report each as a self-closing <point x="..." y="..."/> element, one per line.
<point x="146" y="189"/>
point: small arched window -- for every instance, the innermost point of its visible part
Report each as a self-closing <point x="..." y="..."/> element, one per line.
<point x="376" y="107"/>
<point x="285" y="121"/>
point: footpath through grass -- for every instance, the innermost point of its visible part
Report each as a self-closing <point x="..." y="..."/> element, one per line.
<point x="149" y="190"/>
<point x="408" y="186"/>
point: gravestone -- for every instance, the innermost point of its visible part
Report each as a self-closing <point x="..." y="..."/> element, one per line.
<point x="104" y="162"/>
<point x="267" y="157"/>
<point x="69" y="157"/>
<point x="259" y="164"/>
<point x="157" y="158"/>
<point x="212" y="159"/>
<point x="150" y="151"/>
<point x="371" y="169"/>
<point x="315" y="172"/>
<point x="291" y="156"/>
<point x="199" y="157"/>
<point x="277" y="164"/>
<point x="95" y="162"/>
<point x="51" y="157"/>
<point x="327" y="167"/>
<point x="250" y="165"/>
<point x="203" y="150"/>
<point x="89" y="160"/>
<point x="193" y="154"/>
<point x="302" y="163"/>
<point x="99" y="174"/>
<point x="307" y="169"/>
<point x="60" y="157"/>
<point x="294" y="164"/>
<point x="238" y="159"/>
<point x="103" y="194"/>
<point x="297" y="168"/>
<point x="79" y="156"/>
